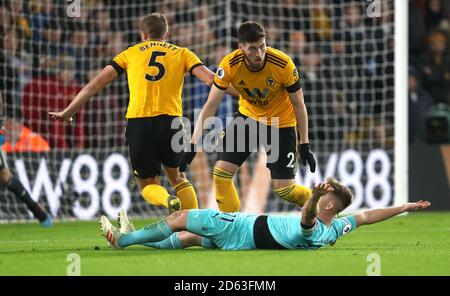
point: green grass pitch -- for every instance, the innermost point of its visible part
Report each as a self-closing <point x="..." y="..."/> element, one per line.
<point x="417" y="244"/>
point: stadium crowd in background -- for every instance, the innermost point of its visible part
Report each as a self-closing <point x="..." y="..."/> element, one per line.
<point x="43" y="46"/>
<point x="40" y="41"/>
<point x="45" y="56"/>
<point x="429" y="61"/>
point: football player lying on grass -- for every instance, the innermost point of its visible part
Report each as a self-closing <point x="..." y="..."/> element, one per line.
<point x="315" y="227"/>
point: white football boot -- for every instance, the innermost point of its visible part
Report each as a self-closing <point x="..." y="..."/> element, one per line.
<point x="110" y="232"/>
<point x="125" y="225"/>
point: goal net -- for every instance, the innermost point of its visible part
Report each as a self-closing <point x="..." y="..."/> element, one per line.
<point x="50" y="49"/>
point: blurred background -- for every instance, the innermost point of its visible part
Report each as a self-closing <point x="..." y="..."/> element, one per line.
<point x="429" y="101"/>
<point x="344" y="51"/>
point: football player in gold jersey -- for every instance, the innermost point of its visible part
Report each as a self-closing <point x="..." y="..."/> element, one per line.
<point x="155" y="70"/>
<point x="271" y="95"/>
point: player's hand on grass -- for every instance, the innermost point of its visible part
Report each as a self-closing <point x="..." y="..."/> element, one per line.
<point x="307" y="157"/>
<point x="418" y="205"/>
<point x="186" y="158"/>
<point x="61" y="115"/>
<point x="321" y="189"/>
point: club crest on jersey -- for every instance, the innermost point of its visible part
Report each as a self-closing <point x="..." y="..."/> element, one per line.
<point x="220" y="73"/>
<point x="270" y="81"/>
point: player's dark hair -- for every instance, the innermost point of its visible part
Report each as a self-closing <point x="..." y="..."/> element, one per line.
<point x="251" y="32"/>
<point x="342" y="193"/>
<point x="155" y="24"/>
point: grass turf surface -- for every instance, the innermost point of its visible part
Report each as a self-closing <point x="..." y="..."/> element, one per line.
<point x="417" y="244"/>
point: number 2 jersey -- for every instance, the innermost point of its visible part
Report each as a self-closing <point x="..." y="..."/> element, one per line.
<point x="155" y="72"/>
<point x="262" y="93"/>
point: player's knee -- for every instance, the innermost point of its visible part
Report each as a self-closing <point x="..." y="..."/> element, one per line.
<point x="5" y="176"/>
<point x="177" y="180"/>
<point x="281" y="183"/>
<point x="177" y="220"/>
<point x="226" y="166"/>
<point x="188" y="239"/>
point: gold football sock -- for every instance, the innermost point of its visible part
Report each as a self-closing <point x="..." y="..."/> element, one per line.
<point x="226" y="195"/>
<point x="186" y="193"/>
<point x="155" y="195"/>
<point x="294" y="193"/>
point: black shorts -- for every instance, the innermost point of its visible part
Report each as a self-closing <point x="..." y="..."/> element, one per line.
<point x="282" y="153"/>
<point x="149" y="142"/>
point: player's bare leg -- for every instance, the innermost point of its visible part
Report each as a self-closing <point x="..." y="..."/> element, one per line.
<point x="245" y="177"/>
<point x="202" y="177"/>
<point x="188" y="239"/>
<point x="226" y="194"/>
<point x="259" y="187"/>
<point x="179" y="240"/>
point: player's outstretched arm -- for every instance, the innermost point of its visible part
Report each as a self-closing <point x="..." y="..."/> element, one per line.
<point x="209" y="109"/>
<point x="207" y="76"/>
<point x="378" y="215"/>
<point x="309" y="210"/>
<point x="204" y="74"/>
<point x="99" y="82"/>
